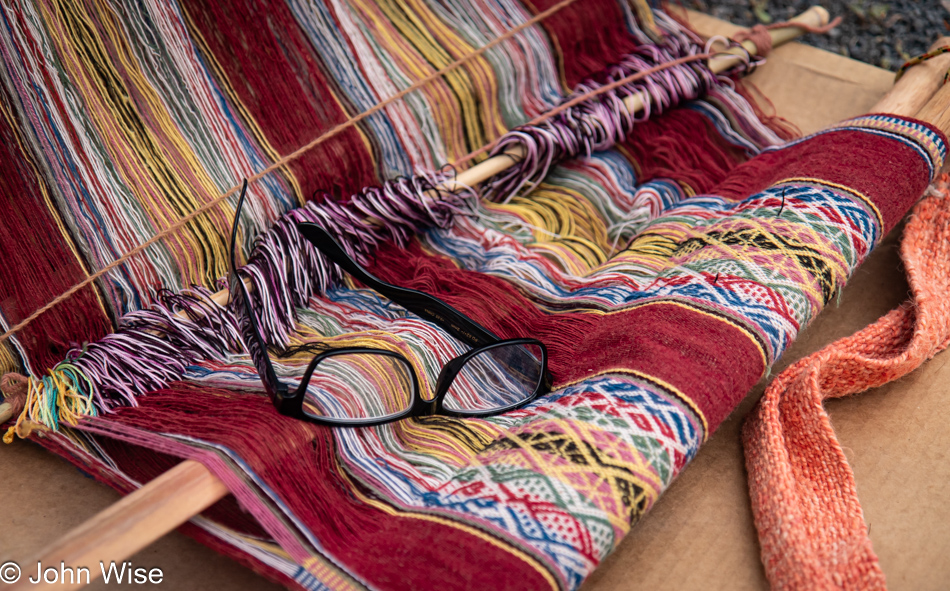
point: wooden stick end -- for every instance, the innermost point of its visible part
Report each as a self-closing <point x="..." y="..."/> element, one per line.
<point x="6" y="412"/>
<point x="816" y="15"/>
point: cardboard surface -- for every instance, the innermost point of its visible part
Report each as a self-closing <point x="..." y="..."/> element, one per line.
<point x="700" y="534"/>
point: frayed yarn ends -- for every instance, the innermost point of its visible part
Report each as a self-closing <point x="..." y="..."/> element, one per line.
<point x="599" y="123"/>
<point x="155" y="347"/>
<point x="64" y="395"/>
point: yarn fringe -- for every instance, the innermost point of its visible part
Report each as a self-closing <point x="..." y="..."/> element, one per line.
<point x="154" y="347"/>
<point x="810" y="523"/>
<point x="602" y="121"/>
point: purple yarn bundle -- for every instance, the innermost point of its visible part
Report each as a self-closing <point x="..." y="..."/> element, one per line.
<point x="155" y="346"/>
<point x="285" y="269"/>
<point x="598" y="123"/>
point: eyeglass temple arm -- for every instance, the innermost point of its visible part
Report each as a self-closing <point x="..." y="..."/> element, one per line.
<point x="422" y="304"/>
<point x="270" y="377"/>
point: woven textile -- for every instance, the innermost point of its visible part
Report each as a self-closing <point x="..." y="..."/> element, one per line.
<point x="665" y="275"/>
<point x="806" y="506"/>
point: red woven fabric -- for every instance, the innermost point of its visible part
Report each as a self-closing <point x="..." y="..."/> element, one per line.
<point x="804" y="500"/>
<point x="39" y="262"/>
<point x="290" y="109"/>
<point x="580" y="52"/>
<point x="682" y="145"/>
<point x="841" y="159"/>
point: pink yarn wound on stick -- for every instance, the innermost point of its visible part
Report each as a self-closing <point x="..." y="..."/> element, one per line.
<point x="759" y="34"/>
<point x="806" y="509"/>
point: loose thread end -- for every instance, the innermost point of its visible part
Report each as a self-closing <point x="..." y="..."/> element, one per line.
<point x="14" y="388"/>
<point x="43" y="404"/>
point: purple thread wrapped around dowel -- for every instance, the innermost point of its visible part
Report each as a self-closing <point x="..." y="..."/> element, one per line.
<point x="599" y="123"/>
<point x="155" y="346"/>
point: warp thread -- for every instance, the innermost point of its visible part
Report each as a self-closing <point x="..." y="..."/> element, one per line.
<point x="212" y="205"/>
<point x="810" y="523"/>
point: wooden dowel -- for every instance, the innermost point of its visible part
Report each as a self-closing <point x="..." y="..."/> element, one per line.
<point x="937" y="110"/>
<point x="132" y="523"/>
<point x="181" y="493"/>
<point x="917" y="85"/>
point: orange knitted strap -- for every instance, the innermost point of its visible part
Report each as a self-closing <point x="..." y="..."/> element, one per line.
<point x="804" y="500"/>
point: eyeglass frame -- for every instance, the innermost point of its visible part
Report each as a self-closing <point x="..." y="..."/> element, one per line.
<point x="420" y="303"/>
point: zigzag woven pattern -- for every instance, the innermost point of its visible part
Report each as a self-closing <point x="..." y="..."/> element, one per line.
<point x="665" y="275"/>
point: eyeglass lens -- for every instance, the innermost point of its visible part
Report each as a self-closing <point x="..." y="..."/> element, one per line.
<point x="359" y="386"/>
<point x="496" y="378"/>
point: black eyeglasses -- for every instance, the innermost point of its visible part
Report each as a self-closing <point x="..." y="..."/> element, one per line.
<point x="361" y="386"/>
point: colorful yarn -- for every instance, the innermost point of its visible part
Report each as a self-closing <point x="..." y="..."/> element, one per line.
<point x="596" y="125"/>
<point x="665" y="275"/>
<point x="804" y="499"/>
<point x="548" y="490"/>
<point x="209" y="88"/>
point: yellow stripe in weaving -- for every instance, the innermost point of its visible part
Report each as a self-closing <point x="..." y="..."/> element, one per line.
<point x="180" y="147"/>
<point x="419" y="52"/>
<point x="565" y="225"/>
<point x="318" y="567"/>
<point x="454" y="441"/>
<point x="8" y="361"/>
<point x="863" y="198"/>
<point x="132" y="145"/>
<point x="412" y="66"/>
<point x="478" y="70"/>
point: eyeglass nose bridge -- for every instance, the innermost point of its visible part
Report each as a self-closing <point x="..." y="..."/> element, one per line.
<point x="448" y="374"/>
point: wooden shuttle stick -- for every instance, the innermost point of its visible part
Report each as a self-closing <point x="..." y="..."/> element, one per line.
<point x="184" y="491"/>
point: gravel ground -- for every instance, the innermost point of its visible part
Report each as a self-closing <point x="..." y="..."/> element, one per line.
<point x="884" y="34"/>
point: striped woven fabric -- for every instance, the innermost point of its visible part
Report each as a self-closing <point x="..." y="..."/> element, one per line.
<point x="665" y="274"/>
